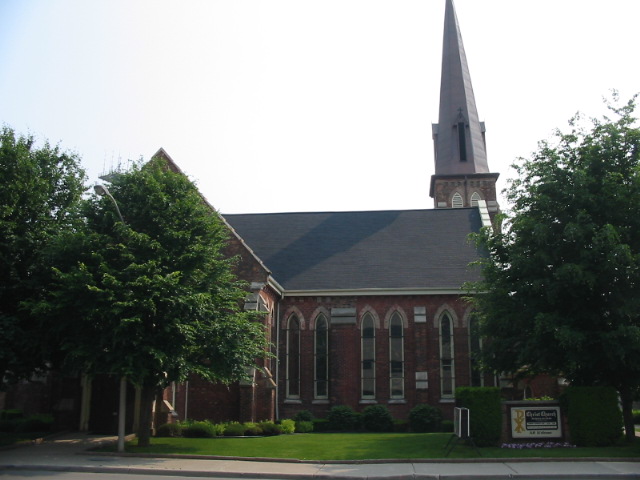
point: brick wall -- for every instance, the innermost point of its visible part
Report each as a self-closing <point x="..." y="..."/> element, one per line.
<point x="421" y="351"/>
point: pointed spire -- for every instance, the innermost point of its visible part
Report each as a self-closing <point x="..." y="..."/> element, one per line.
<point x="459" y="134"/>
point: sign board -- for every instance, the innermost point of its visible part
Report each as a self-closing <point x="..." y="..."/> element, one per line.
<point x="536" y="422"/>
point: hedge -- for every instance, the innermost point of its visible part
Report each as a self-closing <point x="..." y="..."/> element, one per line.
<point x="594" y="417"/>
<point x="485" y="413"/>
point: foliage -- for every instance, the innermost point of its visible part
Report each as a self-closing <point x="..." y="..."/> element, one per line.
<point x="304" y="426"/>
<point x="269" y="428"/>
<point x="485" y="413"/>
<point x="169" y="430"/>
<point x="199" y="429"/>
<point x="234" y="429"/>
<point x="342" y="418"/>
<point x="11" y="414"/>
<point x="400" y="426"/>
<point x="446" y="426"/>
<point x="594" y="416"/>
<point x="636" y="417"/>
<point x="287" y="426"/>
<point x="425" y="418"/>
<point x="252" y="429"/>
<point x="40" y="189"/>
<point x="377" y="418"/>
<point x="16" y="421"/>
<point x="321" y="425"/>
<point x="152" y="298"/>
<point x="303" y="416"/>
<point x="39" y="422"/>
<point x="559" y="290"/>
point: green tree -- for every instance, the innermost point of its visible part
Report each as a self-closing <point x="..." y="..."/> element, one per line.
<point x="39" y="189"/>
<point x="560" y="291"/>
<point x="152" y="298"/>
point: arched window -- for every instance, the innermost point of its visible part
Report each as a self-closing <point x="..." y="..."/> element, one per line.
<point x="396" y="356"/>
<point x="321" y="354"/>
<point x="456" y="201"/>
<point x="475" y="198"/>
<point x="447" y="371"/>
<point x="475" y="347"/>
<point x="368" y="355"/>
<point x="293" y="357"/>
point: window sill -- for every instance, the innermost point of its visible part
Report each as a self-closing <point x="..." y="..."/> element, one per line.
<point x="293" y="401"/>
<point x="368" y="401"/>
<point x="447" y="400"/>
<point x="397" y="401"/>
<point x="320" y="401"/>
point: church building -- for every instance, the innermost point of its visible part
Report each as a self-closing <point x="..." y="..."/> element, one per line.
<point x="367" y="307"/>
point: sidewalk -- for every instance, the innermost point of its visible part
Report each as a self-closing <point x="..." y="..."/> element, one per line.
<point x="69" y="453"/>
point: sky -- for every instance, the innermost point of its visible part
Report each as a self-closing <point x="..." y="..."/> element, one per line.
<point x="300" y="105"/>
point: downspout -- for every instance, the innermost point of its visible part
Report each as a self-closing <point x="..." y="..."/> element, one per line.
<point x="277" y="361"/>
<point x="186" y="399"/>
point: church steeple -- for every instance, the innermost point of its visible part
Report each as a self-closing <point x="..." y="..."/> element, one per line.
<point x="459" y="141"/>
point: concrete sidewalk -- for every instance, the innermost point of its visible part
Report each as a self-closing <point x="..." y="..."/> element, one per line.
<point x="69" y="453"/>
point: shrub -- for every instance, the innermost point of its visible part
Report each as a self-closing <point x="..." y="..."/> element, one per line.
<point x="321" y="425"/>
<point x="594" y="417"/>
<point x="400" y="426"/>
<point x="199" y="429"/>
<point x="38" y="422"/>
<point x="169" y="430"/>
<point x="377" y="418"/>
<point x="342" y="418"/>
<point x="252" y="429"/>
<point x="7" y="426"/>
<point x="636" y="417"/>
<point x="269" y="428"/>
<point x="11" y="414"/>
<point x="287" y="426"/>
<point x="446" y="426"/>
<point x="485" y="414"/>
<point x="234" y="429"/>
<point x="303" y="416"/>
<point x="304" y="427"/>
<point x="425" y="418"/>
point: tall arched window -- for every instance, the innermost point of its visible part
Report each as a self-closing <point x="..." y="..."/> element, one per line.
<point x="456" y="201"/>
<point x="475" y="198"/>
<point x="368" y="355"/>
<point x="475" y="347"/>
<point x="396" y="356"/>
<point x="293" y="357"/>
<point x="321" y="354"/>
<point x="447" y="371"/>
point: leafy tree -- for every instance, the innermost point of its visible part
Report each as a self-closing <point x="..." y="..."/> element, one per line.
<point x="152" y="297"/>
<point x="560" y="290"/>
<point x="40" y="187"/>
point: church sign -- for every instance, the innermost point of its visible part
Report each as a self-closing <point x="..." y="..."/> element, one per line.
<point x="536" y="422"/>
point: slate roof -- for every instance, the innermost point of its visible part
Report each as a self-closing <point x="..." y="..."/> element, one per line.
<point x="404" y="249"/>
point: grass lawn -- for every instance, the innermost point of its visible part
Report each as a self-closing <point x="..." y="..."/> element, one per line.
<point x="358" y="446"/>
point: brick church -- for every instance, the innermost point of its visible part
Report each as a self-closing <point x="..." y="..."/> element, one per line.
<point x="367" y="307"/>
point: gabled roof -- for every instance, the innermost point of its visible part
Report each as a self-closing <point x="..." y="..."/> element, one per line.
<point x="408" y="250"/>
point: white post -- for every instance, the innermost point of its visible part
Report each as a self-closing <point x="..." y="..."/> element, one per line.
<point x="122" y="413"/>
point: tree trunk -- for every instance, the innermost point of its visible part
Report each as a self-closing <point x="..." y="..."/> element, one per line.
<point x="146" y="404"/>
<point x="626" y="396"/>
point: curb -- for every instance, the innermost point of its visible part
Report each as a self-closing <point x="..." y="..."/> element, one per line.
<point x="292" y="476"/>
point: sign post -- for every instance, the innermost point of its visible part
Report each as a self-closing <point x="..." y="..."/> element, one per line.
<point x="461" y="430"/>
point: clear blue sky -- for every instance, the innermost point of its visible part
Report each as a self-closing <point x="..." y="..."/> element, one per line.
<point x="302" y="105"/>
